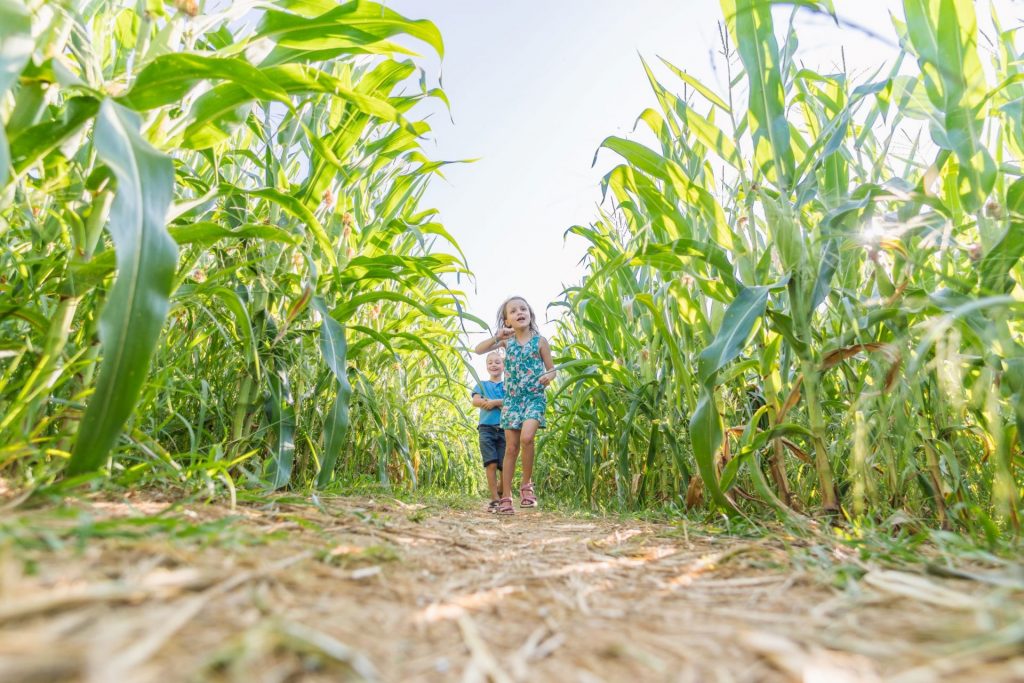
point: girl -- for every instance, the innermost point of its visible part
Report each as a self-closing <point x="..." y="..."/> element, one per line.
<point x="528" y="371"/>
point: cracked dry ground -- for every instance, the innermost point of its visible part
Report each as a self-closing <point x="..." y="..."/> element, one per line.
<point x="374" y="589"/>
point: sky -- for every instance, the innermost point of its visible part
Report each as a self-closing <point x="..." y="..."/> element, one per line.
<point x="536" y="85"/>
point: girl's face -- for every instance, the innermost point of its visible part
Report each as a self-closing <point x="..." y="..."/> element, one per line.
<point x="495" y="364"/>
<point x="517" y="314"/>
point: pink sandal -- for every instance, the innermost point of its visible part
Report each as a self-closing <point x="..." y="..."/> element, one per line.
<point x="505" y="507"/>
<point x="527" y="497"/>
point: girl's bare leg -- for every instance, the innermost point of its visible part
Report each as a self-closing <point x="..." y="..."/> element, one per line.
<point x="527" y="441"/>
<point x="509" y="465"/>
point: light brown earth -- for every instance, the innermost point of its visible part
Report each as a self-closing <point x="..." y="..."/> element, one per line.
<point x="377" y="589"/>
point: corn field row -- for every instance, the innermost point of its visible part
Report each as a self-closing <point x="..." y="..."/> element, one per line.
<point x="805" y="295"/>
<point x="802" y="296"/>
<point x="214" y="256"/>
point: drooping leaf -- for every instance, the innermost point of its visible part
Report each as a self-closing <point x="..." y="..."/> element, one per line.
<point x="355" y="27"/>
<point x="138" y="301"/>
<point x="169" y="78"/>
<point x="737" y="325"/>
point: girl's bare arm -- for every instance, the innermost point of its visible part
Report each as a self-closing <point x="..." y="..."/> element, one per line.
<point x="494" y="342"/>
<point x="545" y="356"/>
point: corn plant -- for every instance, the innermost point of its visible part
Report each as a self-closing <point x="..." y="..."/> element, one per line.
<point x="215" y="261"/>
<point x="805" y="296"/>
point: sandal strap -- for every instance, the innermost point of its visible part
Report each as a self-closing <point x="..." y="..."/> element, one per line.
<point x="528" y="498"/>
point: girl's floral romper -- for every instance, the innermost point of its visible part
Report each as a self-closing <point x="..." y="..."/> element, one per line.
<point x="524" y="394"/>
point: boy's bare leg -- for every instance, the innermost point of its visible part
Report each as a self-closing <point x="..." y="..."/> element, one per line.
<point x="528" y="444"/>
<point x="492" y="479"/>
<point x="509" y="465"/>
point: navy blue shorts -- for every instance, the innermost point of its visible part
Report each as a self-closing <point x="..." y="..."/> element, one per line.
<point x="492" y="444"/>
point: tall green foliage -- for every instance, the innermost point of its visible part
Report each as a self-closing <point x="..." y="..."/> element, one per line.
<point x="789" y="308"/>
<point x="215" y="260"/>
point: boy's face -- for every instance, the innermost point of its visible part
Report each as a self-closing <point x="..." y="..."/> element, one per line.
<point x="495" y="365"/>
<point x="517" y="314"/>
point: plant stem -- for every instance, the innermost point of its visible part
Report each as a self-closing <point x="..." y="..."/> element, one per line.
<point x="48" y="369"/>
<point x="829" y="500"/>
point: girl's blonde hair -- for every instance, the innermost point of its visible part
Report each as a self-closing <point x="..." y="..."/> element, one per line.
<point x="533" y="316"/>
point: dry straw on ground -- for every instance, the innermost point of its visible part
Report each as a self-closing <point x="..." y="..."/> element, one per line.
<point x="378" y="590"/>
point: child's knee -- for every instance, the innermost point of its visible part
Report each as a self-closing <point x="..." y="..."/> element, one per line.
<point x="526" y="440"/>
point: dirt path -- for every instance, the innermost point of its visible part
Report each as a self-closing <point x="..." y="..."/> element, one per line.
<point x="365" y="589"/>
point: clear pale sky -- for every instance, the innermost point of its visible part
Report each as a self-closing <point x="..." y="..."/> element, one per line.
<point x="536" y="85"/>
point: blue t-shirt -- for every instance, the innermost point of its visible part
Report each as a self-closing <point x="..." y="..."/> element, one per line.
<point x="489" y="390"/>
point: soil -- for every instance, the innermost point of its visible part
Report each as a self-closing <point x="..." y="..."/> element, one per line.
<point x="141" y="589"/>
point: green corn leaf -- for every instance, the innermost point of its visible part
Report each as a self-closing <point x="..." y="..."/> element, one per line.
<point x="15" y="48"/>
<point x="241" y="321"/>
<point x="90" y="273"/>
<point x="218" y="112"/>
<point x="139" y="299"/>
<point x="168" y="78"/>
<point x="624" y="479"/>
<point x="826" y="269"/>
<point x="731" y="469"/>
<point x="296" y="79"/>
<point x="785" y="231"/>
<point x="356" y="27"/>
<point x="299" y="211"/>
<point x="32" y="317"/>
<point x="710" y="134"/>
<point x="371" y="336"/>
<point x="626" y="184"/>
<point x="997" y="263"/>
<point x="753" y="31"/>
<point x="680" y="254"/>
<point x="30" y="145"/>
<point x="206" y="233"/>
<point x="706" y="438"/>
<point x="665" y="130"/>
<point x="333" y="348"/>
<point x="688" y="191"/>
<point x="280" y="413"/>
<point x="708" y="94"/>
<point x="737" y="325"/>
<point x="944" y="35"/>
<point x="346" y="310"/>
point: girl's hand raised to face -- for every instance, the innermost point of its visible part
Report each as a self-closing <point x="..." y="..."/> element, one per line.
<point x="505" y="333"/>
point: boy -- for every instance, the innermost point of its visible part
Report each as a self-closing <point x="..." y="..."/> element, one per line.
<point x="489" y="396"/>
